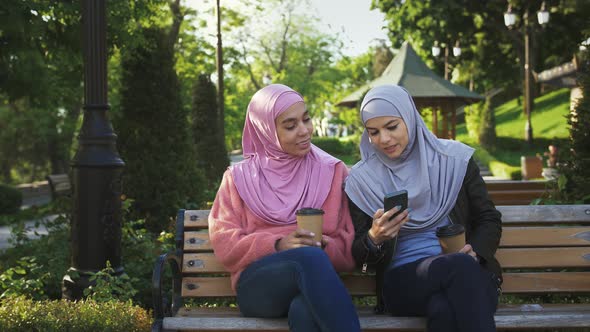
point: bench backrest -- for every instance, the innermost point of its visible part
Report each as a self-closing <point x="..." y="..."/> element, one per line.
<point x="515" y="192"/>
<point x="544" y="249"/>
<point x="60" y="184"/>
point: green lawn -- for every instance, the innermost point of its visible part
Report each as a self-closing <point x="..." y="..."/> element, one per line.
<point x="548" y="120"/>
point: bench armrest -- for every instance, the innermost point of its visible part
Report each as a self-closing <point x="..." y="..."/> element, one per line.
<point x="163" y="307"/>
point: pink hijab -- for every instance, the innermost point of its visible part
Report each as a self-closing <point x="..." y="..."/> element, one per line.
<point x="273" y="183"/>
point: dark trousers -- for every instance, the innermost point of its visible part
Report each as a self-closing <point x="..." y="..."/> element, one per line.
<point x="300" y="284"/>
<point x="453" y="291"/>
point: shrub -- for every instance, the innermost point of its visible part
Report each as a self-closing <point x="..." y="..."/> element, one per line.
<point x="10" y="199"/>
<point x="22" y="314"/>
<point x="40" y="264"/>
<point x="26" y="278"/>
<point x="335" y="146"/>
<point x="473" y="119"/>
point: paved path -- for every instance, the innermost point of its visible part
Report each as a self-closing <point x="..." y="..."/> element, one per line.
<point x="6" y="234"/>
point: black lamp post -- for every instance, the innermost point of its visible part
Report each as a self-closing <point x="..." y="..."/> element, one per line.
<point x="510" y="22"/>
<point x="96" y="224"/>
<point x="436" y="52"/>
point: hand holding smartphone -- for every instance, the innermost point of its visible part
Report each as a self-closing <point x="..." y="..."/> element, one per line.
<point x="398" y="198"/>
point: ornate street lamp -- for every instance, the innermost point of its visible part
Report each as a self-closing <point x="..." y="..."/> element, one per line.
<point x="96" y="215"/>
<point x="436" y="52"/>
<point x="510" y="22"/>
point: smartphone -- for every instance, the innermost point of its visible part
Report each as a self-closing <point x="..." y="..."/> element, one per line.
<point x="394" y="199"/>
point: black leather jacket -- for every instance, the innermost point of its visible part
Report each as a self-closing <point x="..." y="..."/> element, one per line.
<point x="473" y="209"/>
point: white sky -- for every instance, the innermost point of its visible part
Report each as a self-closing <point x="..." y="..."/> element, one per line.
<point x="357" y="25"/>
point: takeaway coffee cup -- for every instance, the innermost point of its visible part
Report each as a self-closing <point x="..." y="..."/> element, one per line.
<point x="311" y="220"/>
<point x="451" y="238"/>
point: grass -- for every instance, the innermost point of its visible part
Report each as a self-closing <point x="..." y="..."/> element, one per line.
<point x="549" y="124"/>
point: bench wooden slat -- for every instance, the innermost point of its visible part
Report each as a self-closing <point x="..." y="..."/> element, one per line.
<point x="197" y="241"/>
<point x="540" y="214"/>
<point x="196" y="219"/>
<point x="506" y="318"/>
<point x="511" y="237"/>
<point x="521" y="283"/>
<point x="201" y="263"/>
<point x="513" y="184"/>
<point x="545" y="236"/>
<point x="515" y="197"/>
<point x="221" y="286"/>
<point x="528" y="258"/>
<point x="546" y="282"/>
<point x="503" y="309"/>
<point x="525" y="258"/>
<point x="511" y="215"/>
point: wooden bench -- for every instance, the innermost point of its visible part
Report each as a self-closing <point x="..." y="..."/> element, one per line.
<point x="60" y="185"/>
<point x="544" y="250"/>
<point x="515" y="192"/>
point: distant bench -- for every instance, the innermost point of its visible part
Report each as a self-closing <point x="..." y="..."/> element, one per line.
<point x="515" y="192"/>
<point x="60" y="185"/>
<point x="545" y="249"/>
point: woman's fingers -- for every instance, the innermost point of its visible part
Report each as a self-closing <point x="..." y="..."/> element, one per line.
<point x="467" y="249"/>
<point x="299" y="238"/>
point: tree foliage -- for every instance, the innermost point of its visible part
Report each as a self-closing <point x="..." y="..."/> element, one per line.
<point x="154" y="138"/>
<point x="276" y="42"/>
<point x="40" y="86"/>
<point x="492" y="54"/>
<point x="210" y="145"/>
<point x="577" y="167"/>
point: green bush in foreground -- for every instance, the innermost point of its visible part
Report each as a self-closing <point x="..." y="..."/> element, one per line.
<point x="21" y="314"/>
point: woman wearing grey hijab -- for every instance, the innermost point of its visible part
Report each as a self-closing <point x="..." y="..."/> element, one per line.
<point x="459" y="291"/>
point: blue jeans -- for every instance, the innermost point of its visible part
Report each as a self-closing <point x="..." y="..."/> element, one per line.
<point x="300" y="284"/>
<point x="453" y="291"/>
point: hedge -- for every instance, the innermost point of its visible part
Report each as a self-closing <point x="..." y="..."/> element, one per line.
<point x="22" y="314"/>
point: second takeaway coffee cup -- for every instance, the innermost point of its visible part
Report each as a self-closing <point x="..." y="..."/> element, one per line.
<point x="311" y="220"/>
<point x="451" y="238"/>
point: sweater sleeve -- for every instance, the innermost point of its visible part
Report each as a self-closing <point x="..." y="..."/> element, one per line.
<point x="233" y="245"/>
<point x="340" y="235"/>
<point x="486" y="222"/>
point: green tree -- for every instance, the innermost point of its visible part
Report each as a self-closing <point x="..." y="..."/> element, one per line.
<point x="154" y="138"/>
<point x="382" y="58"/>
<point x="210" y="145"/>
<point x="274" y="42"/>
<point x="576" y="168"/>
<point x="40" y="86"/>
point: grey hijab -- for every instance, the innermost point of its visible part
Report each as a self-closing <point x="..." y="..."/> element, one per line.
<point x="430" y="169"/>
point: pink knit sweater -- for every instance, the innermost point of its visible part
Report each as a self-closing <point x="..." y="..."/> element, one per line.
<point x="239" y="237"/>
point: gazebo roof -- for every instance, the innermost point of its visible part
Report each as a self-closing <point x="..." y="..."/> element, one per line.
<point x="410" y="72"/>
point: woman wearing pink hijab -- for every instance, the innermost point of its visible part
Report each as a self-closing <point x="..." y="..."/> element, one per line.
<point x="276" y="269"/>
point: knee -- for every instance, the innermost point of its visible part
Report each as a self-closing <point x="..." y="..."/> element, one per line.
<point x="462" y="263"/>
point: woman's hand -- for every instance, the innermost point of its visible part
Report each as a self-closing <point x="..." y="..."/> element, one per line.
<point x="299" y="238"/>
<point x="384" y="229"/>
<point x="469" y="251"/>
